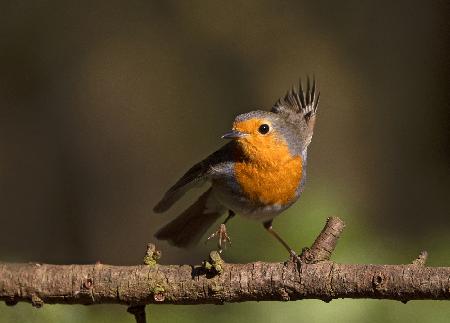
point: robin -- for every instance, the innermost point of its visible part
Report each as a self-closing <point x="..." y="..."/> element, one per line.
<point x="258" y="174"/>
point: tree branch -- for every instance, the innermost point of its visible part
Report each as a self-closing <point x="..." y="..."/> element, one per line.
<point x="217" y="282"/>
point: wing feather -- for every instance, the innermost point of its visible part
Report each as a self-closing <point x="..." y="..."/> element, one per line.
<point x="195" y="176"/>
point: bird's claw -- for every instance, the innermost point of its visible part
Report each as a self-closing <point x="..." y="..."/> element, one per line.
<point x="223" y="237"/>
<point x="295" y="258"/>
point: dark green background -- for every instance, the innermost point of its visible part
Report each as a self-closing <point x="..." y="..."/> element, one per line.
<point x="103" y="105"/>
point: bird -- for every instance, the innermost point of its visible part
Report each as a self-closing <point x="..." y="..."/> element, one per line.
<point x="258" y="174"/>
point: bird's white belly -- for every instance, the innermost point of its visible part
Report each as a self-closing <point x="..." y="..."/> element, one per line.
<point x="247" y="208"/>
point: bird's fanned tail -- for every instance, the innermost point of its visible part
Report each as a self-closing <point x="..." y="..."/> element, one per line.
<point x="299" y="100"/>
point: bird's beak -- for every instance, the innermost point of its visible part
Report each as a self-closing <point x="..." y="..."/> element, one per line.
<point x="233" y="134"/>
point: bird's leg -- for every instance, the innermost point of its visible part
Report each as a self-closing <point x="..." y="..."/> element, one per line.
<point x="221" y="233"/>
<point x="268" y="227"/>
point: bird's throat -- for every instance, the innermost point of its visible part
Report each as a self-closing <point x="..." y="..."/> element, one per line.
<point x="268" y="174"/>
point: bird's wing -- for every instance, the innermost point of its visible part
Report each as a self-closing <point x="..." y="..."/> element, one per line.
<point x="196" y="175"/>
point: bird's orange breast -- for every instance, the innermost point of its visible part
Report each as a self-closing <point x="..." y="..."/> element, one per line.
<point x="271" y="175"/>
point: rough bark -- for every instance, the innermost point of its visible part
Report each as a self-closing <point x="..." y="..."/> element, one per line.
<point x="217" y="282"/>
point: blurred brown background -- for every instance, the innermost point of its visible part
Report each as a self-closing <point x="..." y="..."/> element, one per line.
<point x="103" y="105"/>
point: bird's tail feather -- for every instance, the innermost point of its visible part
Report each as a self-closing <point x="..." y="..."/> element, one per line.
<point x="299" y="100"/>
<point x="188" y="228"/>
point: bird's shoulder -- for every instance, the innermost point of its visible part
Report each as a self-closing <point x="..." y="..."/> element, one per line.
<point x="220" y="163"/>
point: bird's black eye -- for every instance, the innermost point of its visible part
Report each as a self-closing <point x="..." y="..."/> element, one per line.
<point x="264" y="128"/>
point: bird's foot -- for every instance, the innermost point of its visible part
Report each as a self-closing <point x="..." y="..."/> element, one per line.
<point x="295" y="258"/>
<point x="222" y="237"/>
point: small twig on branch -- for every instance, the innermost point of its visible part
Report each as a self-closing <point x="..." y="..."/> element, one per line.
<point x="217" y="282"/>
<point x="421" y="260"/>
<point x="325" y="243"/>
<point x="139" y="313"/>
<point x="150" y="258"/>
